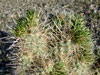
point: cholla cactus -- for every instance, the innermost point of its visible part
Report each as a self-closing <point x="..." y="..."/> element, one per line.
<point x="71" y="43"/>
<point x="63" y="41"/>
<point x="24" y="23"/>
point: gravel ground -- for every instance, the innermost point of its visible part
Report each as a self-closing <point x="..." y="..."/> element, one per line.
<point x="10" y="10"/>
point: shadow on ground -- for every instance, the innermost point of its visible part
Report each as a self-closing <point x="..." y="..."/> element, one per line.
<point x="7" y="54"/>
